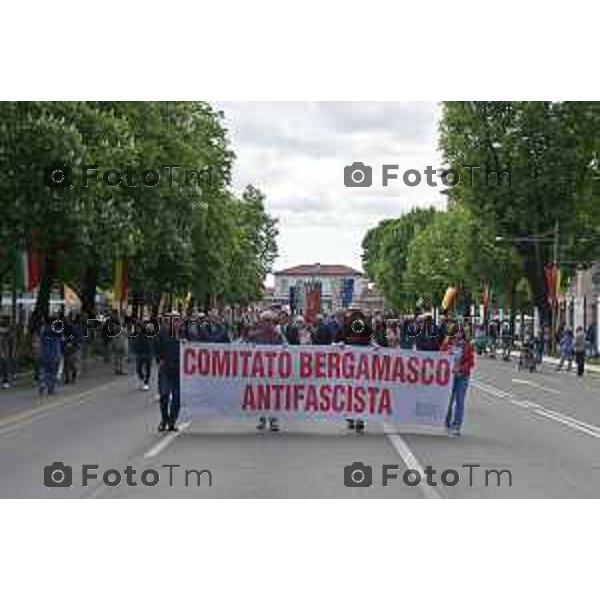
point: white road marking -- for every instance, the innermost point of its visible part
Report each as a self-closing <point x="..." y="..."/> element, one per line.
<point x="46" y="409"/>
<point x="538" y="409"/>
<point x="536" y="385"/>
<point x="411" y="462"/>
<point x="592" y="430"/>
<point x="166" y="441"/>
<point x="525" y="404"/>
<point x="490" y="389"/>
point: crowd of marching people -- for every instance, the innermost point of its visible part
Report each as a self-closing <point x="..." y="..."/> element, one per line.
<point x="58" y="343"/>
<point x="272" y="327"/>
<point x="51" y="346"/>
<point x="497" y="339"/>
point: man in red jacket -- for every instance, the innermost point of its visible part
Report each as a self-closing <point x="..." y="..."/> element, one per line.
<point x="464" y="361"/>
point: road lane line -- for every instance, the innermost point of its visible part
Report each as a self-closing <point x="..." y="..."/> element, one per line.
<point x="536" y="385"/>
<point x="565" y="421"/>
<point x="411" y="462"/>
<point x="525" y="404"/>
<point x="485" y="387"/>
<point x="572" y="420"/>
<point x="166" y="441"/>
<point x="12" y="423"/>
<point x="538" y="409"/>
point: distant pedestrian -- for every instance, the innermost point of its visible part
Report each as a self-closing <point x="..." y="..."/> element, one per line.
<point x="590" y="337"/>
<point x="579" y="347"/>
<point x="406" y="331"/>
<point x="566" y="349"/>
<point x="119" y="344"/>
<point x="305" y="335"/>
<point x="50" y="356"/>
<point x="291" y="331"/>
<point x="213" y="330"/>
<point x="5" y="353"/>
<point x="391" y="334"/>
<point x="323" y="333"/>
<point x="142" y="345"/>
<point x="380" y="331"/>
<point x="429" y="336"/>
<point x="72" y="346"/>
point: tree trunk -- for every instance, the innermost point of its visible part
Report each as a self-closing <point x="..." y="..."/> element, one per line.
<point x="88" y="291"/>
<point x="43" y="297"/>
<point x="534" y="271"/>
<point x="513" y="306"/>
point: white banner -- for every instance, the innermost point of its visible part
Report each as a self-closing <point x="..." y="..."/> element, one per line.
<point x="315" y="382"/>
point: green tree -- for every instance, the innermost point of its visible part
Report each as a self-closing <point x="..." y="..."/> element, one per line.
<point x="551" y="150"/>
<point x="456" y="249"/>
<point x="385" y="252"/>
<point x="188" y="233"/>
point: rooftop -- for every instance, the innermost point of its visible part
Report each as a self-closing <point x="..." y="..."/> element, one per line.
<point x="319" y="269"/>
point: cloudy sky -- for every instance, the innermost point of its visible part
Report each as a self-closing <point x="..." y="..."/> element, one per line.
<point x="296" y="153"/>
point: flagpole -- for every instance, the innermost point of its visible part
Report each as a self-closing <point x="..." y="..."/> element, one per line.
<point x="555" y="304"/>
<point x="14" y="297"/>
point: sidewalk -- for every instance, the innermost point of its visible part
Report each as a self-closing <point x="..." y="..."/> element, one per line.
<point x="23" y="396"/>
<point x="550" y="360"/>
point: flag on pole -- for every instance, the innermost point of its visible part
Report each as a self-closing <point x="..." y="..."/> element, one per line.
<point x="485" y="296"/>
<point x="121" y="285"/>
<point x="553" y="281"/>
<point x="449" y="298"/>
<point x="27" y="270"/>
<point x="312" y="304"/>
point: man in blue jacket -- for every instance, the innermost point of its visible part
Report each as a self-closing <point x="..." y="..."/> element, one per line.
<point x="50" y="354"/>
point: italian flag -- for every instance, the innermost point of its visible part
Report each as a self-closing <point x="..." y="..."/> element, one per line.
<point x="27" y="271"/>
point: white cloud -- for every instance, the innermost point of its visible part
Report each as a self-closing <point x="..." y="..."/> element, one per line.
<point x="296" y="153"/>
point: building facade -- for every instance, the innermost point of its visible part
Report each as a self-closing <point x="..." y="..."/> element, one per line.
<point x="331" y="278"/>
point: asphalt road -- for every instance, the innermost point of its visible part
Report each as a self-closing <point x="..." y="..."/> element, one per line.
<point x="543" y="428"/>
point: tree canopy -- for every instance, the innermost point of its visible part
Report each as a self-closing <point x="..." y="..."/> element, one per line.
<point x="552" y="151"/>
<point x="188" y="233"/>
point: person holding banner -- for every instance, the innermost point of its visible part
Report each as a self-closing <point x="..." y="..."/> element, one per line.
<point x="167" y="351"/>
<point x="462" y="351"/>
<point x="266" y="333"/>
<point x="357" y="331"/>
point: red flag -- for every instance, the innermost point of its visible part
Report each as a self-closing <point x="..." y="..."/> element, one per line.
<point x="551" y="273"/>
<point x="485" y="296"/>
<point x="121" y="284"/>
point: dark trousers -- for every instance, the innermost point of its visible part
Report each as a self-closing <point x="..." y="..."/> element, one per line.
<point x="5" y="369"/>
<point x="49" y="373"/>
<point x="580" y="360"/>
<point x="169" y="396"/>
<point x="143" y="368"/>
